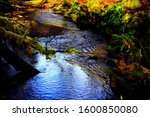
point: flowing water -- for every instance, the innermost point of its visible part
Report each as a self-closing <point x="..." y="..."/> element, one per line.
<point x="65" y="76"/>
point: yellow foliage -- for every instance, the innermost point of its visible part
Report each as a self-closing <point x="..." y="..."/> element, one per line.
<point x="74" y="17"/>
<point x="131" y="3"/>
<point x="126" y="17"/>
<point x="93" y="5"/>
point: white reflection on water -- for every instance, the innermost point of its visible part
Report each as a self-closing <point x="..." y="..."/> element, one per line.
<point x="60" y="80"/>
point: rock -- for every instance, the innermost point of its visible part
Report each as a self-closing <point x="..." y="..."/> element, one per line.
<point x="100" y="52"/>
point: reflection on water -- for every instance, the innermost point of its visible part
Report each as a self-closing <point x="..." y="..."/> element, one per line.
<point x="59" y="80"/>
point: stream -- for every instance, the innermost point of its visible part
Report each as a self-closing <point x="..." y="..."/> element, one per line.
<point x="64" y="76"/>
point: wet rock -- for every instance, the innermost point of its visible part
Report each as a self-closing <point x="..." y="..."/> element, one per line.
<point x="6" y="71"/>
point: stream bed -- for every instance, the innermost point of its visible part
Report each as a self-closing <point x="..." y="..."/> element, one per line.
<point x="64" y="76"/>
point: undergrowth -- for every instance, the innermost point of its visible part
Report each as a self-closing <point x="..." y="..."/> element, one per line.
<point x="125" y="25"/>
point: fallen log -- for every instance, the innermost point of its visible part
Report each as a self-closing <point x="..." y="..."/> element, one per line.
<point x="26" y="41"/>
<point x="17" y="32"/>
<point x="12" y="25"/>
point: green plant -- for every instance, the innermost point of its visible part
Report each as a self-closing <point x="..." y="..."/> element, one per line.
<point x="126" y="27"/>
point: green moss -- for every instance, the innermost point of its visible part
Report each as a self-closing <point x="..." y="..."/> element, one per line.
<point x="71" y="50"/>
<point x="14" y="32"/>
